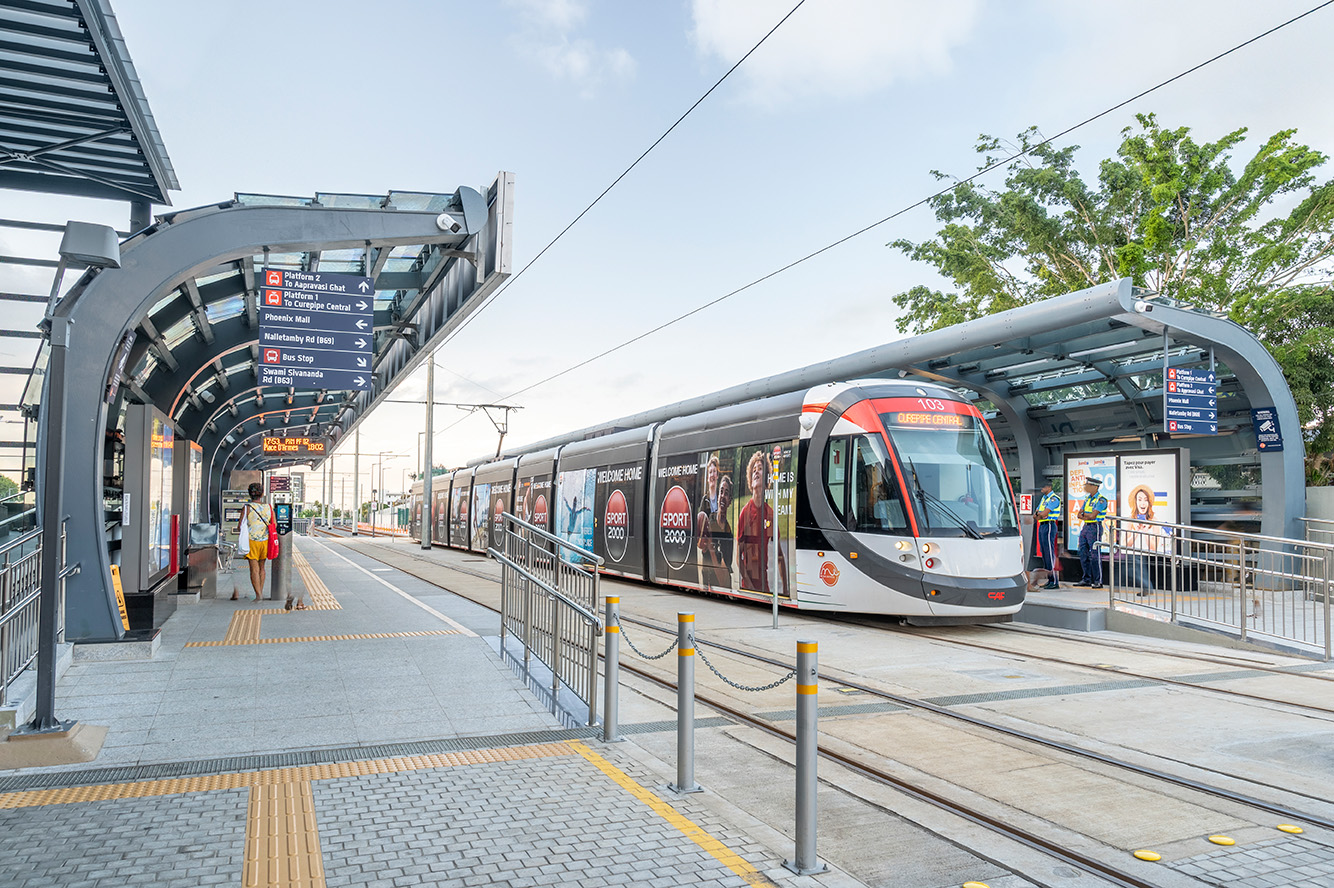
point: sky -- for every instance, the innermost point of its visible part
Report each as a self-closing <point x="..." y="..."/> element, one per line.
<point x="835" y="122"/>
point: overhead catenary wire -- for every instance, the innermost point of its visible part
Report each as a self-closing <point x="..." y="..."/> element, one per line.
<point x="1005" y="162"/>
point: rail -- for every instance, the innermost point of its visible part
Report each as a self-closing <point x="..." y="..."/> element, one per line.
<point x="1260" y="588"/>
<point x="549" y="603"/>
<point x="20" y="603"/>
<point x="1319" y="530"/>
<point x="29" y="513"/>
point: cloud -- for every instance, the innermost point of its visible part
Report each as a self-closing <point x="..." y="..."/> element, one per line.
<point x="550" y="33"/>
<point x="841" y="49"/>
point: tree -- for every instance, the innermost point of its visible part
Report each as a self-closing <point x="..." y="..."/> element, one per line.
<point x="1254" y="242"/>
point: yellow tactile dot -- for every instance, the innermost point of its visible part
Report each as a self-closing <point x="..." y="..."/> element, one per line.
<point x="1222" y="840"/>
<point x="1291" y="828"/>
<point x="1148" y="855"/>
<point x="975" y="885"/>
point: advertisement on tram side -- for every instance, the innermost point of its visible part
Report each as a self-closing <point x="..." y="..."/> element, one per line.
<point x="481" y="517"/>
<point x="499" y="505"/>
<point x="575" y="492"/>
<point x="619" y="501"/>
<point x="531" y="502"/>
<point x="459" y="528"/>
<point x="716" y="518"/>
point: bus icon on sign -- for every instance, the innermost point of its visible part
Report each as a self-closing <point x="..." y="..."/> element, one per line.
<point x="272" y="356"/>
<point x="273" y="297"/>
<point x="273" y="279"/>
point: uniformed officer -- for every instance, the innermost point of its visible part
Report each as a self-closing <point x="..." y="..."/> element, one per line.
<point x="1090" y="537"/>
<point x="1048" y="513"/>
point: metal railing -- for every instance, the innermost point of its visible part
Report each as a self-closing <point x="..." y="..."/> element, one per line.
<point x="1319" y="530"/>
<point x="20" y="601"/>
<point x="549" y="602"/>
<point x="1261" y="588"/>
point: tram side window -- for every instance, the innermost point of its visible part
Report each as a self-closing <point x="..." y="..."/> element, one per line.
<point x="876" y="503"/>
<point x="836" y="474"/>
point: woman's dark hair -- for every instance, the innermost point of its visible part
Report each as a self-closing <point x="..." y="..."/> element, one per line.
<point x="255" y="490"/>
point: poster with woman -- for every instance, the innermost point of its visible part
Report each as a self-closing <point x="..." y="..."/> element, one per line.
<point x="1149" y="493"/>
<point x="763" y="509"/>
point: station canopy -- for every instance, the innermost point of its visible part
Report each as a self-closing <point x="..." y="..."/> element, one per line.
<point x="73" y="116"/>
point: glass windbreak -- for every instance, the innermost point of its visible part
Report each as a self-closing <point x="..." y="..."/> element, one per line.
<point x="955" y="476"/>
<point x="862" y="486"/>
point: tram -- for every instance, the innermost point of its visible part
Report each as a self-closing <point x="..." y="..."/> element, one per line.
<point x="886" y="497"/>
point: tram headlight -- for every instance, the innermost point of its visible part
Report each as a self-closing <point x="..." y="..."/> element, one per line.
<point x="930" y="562"/>
<point x="900" y="545"/>
<point x="928" y="548"/>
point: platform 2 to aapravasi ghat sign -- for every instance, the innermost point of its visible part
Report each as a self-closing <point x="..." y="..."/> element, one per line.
<point x="316" y="330"/>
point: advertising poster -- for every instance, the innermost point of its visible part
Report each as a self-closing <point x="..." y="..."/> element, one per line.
<point x="459" y="509"/>
<point x="531" y="503"/>
<point x="1149" y="490"/>
<point x="575" y="491"/>
<point x="481" y="517"/>
<point x="717" y="514"/>
<point x="1079" y="468"/>
<point x="619" y="489"/>
<point x="439" y="514"/>
<point x="500" y="504"/>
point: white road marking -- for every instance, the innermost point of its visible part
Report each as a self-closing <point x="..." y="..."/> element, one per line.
<point x="383" y="582"/>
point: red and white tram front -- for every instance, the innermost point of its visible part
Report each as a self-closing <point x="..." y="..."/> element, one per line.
<point x="911" y="501"/>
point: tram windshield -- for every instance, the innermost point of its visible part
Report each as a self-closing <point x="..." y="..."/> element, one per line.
<point x="953" y="474"/>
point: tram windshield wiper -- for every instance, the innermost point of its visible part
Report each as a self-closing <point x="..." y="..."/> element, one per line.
<point x="940" y="505"/>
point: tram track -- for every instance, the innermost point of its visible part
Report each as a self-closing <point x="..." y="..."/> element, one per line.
<point x="1056" y="850"/>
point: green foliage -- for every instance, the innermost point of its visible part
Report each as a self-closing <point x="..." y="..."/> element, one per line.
<point x="8" y="486"/>
<point x="1178" y="217"/>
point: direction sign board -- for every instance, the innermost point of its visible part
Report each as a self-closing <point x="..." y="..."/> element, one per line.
<point x="316" y="329"/>
<point x="279" y="482"/>
<point x="1190" y="401"/>
<point x="1268" y="436"/>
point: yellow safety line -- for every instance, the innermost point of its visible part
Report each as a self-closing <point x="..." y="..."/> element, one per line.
<point x="151" y="788"/>
<point x="229" y="642"/>
<point x="282" y="842"/>
<point x="717" y="849"/>
<point x="320" y="596"/>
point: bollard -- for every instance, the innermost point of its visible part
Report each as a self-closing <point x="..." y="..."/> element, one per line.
<point x="685" y="705"/>
<point x="808" y="749"/>
<point x="612" y="677"/>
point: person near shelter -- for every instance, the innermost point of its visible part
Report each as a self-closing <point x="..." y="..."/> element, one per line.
<point x="256" y="516"/>
<point x="1048" y="515"/>
<point x="1090" y="536"/>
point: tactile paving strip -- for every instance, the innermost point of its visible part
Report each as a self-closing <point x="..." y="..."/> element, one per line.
<point x="282" y="843"/>
<point x="356" y="637"/>
<point x="334" y="770"/>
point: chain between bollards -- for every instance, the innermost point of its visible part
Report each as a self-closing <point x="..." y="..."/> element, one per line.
<point x="808" y="750"/>
<point x="685" y="705"/>
<point x="612" y="677"/>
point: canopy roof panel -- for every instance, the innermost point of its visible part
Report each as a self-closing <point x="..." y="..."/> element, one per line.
<point x="73" y="115"/>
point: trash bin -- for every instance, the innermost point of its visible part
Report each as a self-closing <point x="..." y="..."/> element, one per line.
<point x="201" y="561"/>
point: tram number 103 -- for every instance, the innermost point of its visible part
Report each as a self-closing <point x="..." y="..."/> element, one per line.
<point x="932" y="404"/>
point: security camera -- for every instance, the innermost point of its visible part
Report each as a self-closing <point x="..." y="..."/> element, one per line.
<point x="1143" y="307"/>
<point x="446" y="222"/>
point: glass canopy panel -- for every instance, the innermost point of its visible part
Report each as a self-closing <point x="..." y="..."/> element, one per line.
<point x="351" y="201"/>
<point x="420" y="201"/>
<point x="273" y="200"/>
<point x="1082" y="392"/>
<point x="179" y="332"/>
<point x="223" y="309"/>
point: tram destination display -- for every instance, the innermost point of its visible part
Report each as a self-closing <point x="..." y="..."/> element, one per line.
<point x="316" y="329"/>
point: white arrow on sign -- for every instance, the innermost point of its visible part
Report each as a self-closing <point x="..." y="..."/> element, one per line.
<point x="361" y="325"/>
<point x="361" y="343"/>
<point x="361" y="362"/>
<point x="360" y="381"/>
<point x="361" y="306"/>
<point x="364" y="287"/>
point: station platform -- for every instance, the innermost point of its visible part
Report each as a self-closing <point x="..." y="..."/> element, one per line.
<point x="374" y="738"/>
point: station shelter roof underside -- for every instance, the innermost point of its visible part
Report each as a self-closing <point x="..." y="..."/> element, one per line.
<point x="186" y="298"/>
<point x="73" y="115"/>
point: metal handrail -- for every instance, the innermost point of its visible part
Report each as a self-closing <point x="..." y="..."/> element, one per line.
<point x="26" y="538"/>
<point x="545" y="534"/>
<point x="590" y="618"/>
<point x="14" y="496"/>
<point x="1329" y="521"/>
<point x="24" y="514"/>
<point x="1230" y="534"/>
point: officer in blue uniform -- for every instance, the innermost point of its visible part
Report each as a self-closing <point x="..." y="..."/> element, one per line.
<point x="1090" y="536"/>
<point x="1048" y="514"/>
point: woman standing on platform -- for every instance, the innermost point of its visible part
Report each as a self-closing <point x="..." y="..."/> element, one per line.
<point x="255" y="520"/>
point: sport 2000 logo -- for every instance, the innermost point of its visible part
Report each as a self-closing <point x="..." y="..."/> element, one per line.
<point x="676" y="527"/>
<point x="616" y="522"/>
